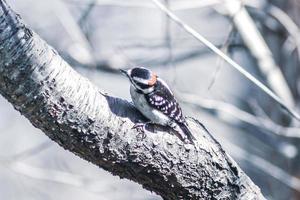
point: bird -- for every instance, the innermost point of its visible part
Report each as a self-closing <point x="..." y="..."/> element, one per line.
<point x="154" y="99"/>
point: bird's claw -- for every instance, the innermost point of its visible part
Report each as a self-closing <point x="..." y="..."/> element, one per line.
<point x="140" y="128"/>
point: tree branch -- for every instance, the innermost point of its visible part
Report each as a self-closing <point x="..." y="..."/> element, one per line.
<point x="96" y="127"/>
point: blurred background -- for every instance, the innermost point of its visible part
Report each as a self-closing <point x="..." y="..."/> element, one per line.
<point x="97" y="37"/>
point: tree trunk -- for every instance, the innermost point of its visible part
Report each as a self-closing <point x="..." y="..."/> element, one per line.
<point x="97" y="127"/>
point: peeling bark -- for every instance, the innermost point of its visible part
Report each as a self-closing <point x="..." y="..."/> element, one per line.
<point x="96" y="127"/>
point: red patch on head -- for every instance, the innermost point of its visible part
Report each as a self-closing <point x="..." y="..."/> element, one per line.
<point x="153" y="79"/>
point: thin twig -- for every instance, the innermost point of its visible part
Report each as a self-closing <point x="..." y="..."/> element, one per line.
<point x="31" y="151"/>
<point x="169" y="45"/>
<point x="231" y="62"/>
<point x="55" y="176"/>
<point x="220" y="62"/>
<point x="80" y="49"/>
<point x="86" y="13"/>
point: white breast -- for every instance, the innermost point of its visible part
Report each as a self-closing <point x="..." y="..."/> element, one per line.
<point x="142" y="105"/>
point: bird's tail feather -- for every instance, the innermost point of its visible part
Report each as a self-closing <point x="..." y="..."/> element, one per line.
<point x="184" y="127"/>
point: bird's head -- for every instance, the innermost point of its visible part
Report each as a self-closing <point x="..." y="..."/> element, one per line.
<point x="141" y="78"/>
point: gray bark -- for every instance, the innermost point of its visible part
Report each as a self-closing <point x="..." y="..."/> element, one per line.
<point x="97" y="127"/>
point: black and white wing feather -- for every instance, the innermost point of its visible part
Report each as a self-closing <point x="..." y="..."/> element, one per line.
<point x="163" y="100"/>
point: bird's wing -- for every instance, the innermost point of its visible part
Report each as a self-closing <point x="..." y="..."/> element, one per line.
<point x="164" y="101"/>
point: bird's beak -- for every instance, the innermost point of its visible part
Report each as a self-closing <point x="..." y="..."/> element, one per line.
<point x="124" y="72"/>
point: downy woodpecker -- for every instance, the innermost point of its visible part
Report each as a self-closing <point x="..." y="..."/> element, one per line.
<point x="154" y="99"/>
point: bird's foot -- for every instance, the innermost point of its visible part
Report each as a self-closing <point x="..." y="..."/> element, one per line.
<point x="140" y="128"/>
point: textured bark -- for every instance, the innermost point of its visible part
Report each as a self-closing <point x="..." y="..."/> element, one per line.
<point x="96" y="127"/>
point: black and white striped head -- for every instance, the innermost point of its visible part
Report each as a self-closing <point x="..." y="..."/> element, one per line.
<point x="141" y="78"/>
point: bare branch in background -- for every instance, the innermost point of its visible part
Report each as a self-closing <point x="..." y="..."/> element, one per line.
<point x="80" y="50"/>
<point x="31" y="151"/>
<point x="231" y="62"/>
<point x="169" y="44"/>
<point x="263" y="165"/>
<point x="220" y="62"/>
<point x="285" y="20"/>
<point x="289" y="24"/>
<point x="86" y="12"/>
<point x="55" y="176"/>
<point x="228" y="109"/>
<point x="75" y="114"/>
<point x="177" y="6"/>
<point x="259" y="49"/>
